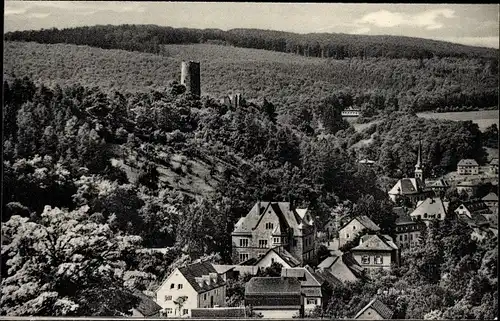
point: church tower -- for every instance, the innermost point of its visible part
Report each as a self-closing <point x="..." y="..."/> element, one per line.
<point x="419" y="167"/>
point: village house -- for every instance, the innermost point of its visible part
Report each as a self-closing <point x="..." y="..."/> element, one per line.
<point x="412" y="189"/>
<point x="467" y="167"/>
<point x="494" y="166"/>
<point x="468" y="187"/>
<point x="439" y="186"/>
<point x="344" y="267"/>
<point x="193" y="286"/>
<point x="475" y="209"/>
<point x="491" y="200"/>
<point x="432" y="208"/>
<point x="311" y="285"/>
<point x="407" y="230"/>
<point x="374" y="310"/>
<point x="275" y="297"/>
<point x="355" y="226"/>
<point x="275" y="225"/>
<point x="376" y="251"/>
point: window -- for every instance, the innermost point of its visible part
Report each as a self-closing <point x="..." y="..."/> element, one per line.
<point x="401" y="237"/>
<point x="354" y="227"/>
<point x="169" y="310"/>
<point x="347" y="235"/>
<point x="276" y="239"/>
<point x="269" y="226"/>
<point x="244" y="242"/>
<point x="378" y="259"/>
<point x="272" y="260"/>
<point x="179" y="286"/>
<point x="365" y="259"/>
<point x="411" y="236"/>
<point x="172" y="286"/>
<point x="168" y="298"/>
<point x="243" y="257"/>
<point x="311" y="301"/>
<point x="406" y="237"/>
<point x="205" y="296"/>
<point x="439" y="216"/>
<point x="262" y="243"/>
<point x="425" y="215"/>
<point x="185" y="311"/>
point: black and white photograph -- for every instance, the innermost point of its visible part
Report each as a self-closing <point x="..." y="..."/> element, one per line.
<point x="246" y="161"/>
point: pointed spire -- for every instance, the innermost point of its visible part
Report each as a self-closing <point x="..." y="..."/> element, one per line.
<point x="419" y="154"/>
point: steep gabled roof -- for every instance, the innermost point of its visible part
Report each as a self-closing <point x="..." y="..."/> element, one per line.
<point x="440" y="183"/>
<point x="305" y="276"/>
<point x="283" y="254"/>
<point x="431" y="206"/>
<point x="378" y="306"/>
<point x="490" y="197"/>
<point x="494" y="161"/>
<point x="467" y="162"/>
<point x="193" y="271"/>
<point x="366" y="222"/>
<point x="328" y="262"/>
<point x="403" y="218"/>
<point x="328" y="277"/>
<point x="146" y="305"/>
<point x="288" y="217"/>
<point x="375" y="242"/>
<point x="408" y="186"/>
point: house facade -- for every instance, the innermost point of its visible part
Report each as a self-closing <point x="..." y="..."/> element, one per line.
<point x="467" y="167"/>
<point x="376" y="251"/>
<point x="344" y="267"/>
<point x="355" y="226"/>
<point x="193" y="286"/>
<point x="494" y="166"/>
<point x="275" y="297"/>
<point x="475" y="208"/>
<point x="407" y="230"/>
<point x="491" y="200"/>
<point x="310" y="284"/>
<point x="275" y="225"/>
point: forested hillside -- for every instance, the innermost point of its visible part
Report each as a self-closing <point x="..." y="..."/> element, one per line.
<point x="295" y="84"/>
<point x="149" y="38"/>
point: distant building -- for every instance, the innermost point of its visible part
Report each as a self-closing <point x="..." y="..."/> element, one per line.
<point x="353" y="227"/>
<point x="467" y="167"/>
<point x="190" y="77"/>
<point x="413" y="189"/>
<point x="275" y="297"/>
<point x="277" y="255"/>
<point x="473" y="209"/>
<point x="311" y="285"/>
<point x="494" y="166"/>
<point x="491" y="200"/>
<point x="376" y="251"/>
<point x="275" y="225"/>
<point x="351" y="112"/>
<point x="193" y="286"/>
<point x="407" y="230"/>
<point x="439" y="186"/>
<point x="345" y="268"/>
<point x="432" y="208"/>
<point x="374" y="310"/>
<point x="468" y="187"/>
<point x="366" y="162"/>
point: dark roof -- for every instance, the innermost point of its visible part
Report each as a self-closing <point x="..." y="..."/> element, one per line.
<point x="378" y="306"/>
<point x="305" y="275"/>
<point x="193" y="271"/>
<point x="146" y="305"/>
<point x="440" y="183"/>
<point x="272" y="285"/>
<point x="328" y="262"/>
<point x="408" y="186"/>
<point x="288" y="217"/>
<point x="494" y="161"/>
<point x="467" y="162"/>
<point x="312" y="292"/>
<point x="328" y="277"/>
<point x="365" y="221"/>
<point x="476" y="206"/>
<point x="353" y="265"/>
<point x="403" y="218"/>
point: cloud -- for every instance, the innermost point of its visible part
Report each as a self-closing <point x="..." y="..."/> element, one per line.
<point x="426" y="19"/>
<point x="361" y="30"/>
<point x="38" y="15"/>
<point x="37" y="9"/>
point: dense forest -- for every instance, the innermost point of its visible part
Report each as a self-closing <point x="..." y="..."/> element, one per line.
<point x="150" y="38"/>
<point x="296" y="85"/>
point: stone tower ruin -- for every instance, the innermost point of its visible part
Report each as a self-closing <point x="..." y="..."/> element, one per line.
<point x="190" y="77"/>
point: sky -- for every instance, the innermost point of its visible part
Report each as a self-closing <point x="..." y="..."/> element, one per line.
<point x="471" y="24"/>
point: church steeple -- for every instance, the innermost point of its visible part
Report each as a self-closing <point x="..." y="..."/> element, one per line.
<point x="419" y="167"/>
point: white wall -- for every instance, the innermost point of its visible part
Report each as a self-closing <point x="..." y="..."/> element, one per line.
<point x="266" y="261"/>
<point x="278" y="314"/>
<point x="176" y="278"/>
<point x="349" y="232"/>
<point x="370" y="314"/>
<point x="219" y="295"/>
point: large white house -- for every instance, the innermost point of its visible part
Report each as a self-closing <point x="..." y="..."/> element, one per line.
<point x="193" y="286"/>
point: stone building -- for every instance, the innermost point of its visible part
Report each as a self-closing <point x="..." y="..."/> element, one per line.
<point x="468" y="167"/>
<point x="275" y="225"/>
<point x="190" y="77"/>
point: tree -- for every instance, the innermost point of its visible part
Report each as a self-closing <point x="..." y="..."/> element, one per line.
<point x="65" y="264"/>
